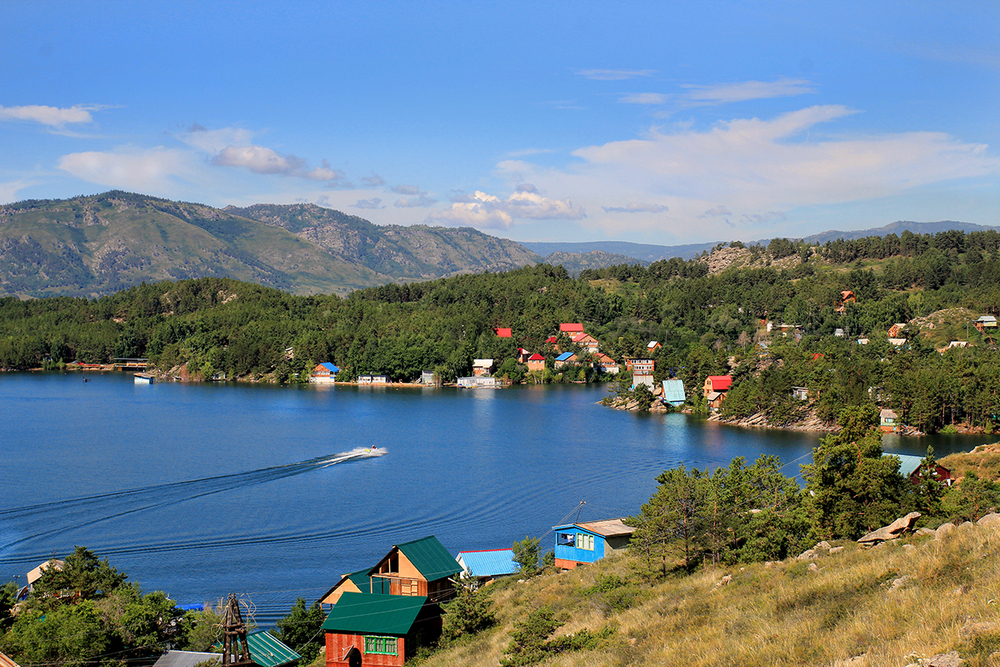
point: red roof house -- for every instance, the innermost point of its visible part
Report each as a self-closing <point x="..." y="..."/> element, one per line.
<point x="717" y="383"/>
<point x="503" y="332"/>
<point x="571" y="327"/>
<point x="536" y="362"/>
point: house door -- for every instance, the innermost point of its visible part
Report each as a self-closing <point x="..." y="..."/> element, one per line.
<point x="354" y="657"/>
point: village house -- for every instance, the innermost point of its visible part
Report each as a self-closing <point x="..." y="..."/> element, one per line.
<point x="482" y="367"/>
<point x="607" y="364"/>
<point x="355" y="582"/>
<point x="640" y="365"/>
<point x="715" y="390"/>
<point x="503" y="332"/>
<point x="373" y="379"/>
<point x="571" y="328"/>
<point x="896" y="329"/>
<point x="846" y="297"/>
<point x="587" y="341"/>
<point x="888" y="421"/>
<point x="420" y="567"/>
<point x="909" y="467"/>
<point x="536" y="363"/>
<point x="376" y="630"/>
<point x="324" y="373"/>
<point x="487" y="565"/>
<point x="582" y="543"/>
<point x="565" y="359"/>
<point x="986" y="322"/>
<point x="653" y="346"/>
<point x="427" y="377"/>
<point x="800" y="393"/>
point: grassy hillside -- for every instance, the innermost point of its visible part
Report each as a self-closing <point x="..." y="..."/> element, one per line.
<point x="913" y="598"/>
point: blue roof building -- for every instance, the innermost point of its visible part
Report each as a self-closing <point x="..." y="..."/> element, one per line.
<point x="487" y="564"/>
<point x="324" y="373"/>
<point x="582" y="543"/>
<point x="673" y="392"/>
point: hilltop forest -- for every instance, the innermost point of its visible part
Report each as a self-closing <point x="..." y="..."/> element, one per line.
<point x="708" y="318"/>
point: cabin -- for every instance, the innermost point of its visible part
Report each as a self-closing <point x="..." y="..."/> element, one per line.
<point x="482" y="367"/>
<point x="673" y="392"/>
<point x="909" y="467"/>
<point x="653" y="346"/>
<point x="582" y="543"/>
<point x="427" y="377"/>
<point x="800" y="393"/>
<point x="35" y="574"/>
<point x="565" y="359"/>
<point x="536" y="362"/>
<point x="487" y="565"/>
<point x="888" y="421"/>
<point x="504" y="332"/>
<point x="846" y="297"/>
<point x="986" y="322"/>
<point x="587" y="341"/>
<point x="717" y="383"/>
<point x="607" y="364"/>
<point x="481" y="382"/>
<point x="896" y="329"/>
<point x="324" y="373"/>
<point x="379" y="630"/>
<point x="571" y="328"/>
<point x="420" y="567"/>
<point x="522" y="355"/>
<point x="373" y="379"/>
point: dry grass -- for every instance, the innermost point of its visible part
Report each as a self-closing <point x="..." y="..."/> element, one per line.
<point x="983" y="460"/>
<point x="784" y="614"/>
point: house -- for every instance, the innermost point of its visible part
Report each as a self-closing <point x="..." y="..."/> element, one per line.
<point x="587" y="341"/>
<point x="888" y="421"/>
<point x="607" y="364"/>
<point x="503" y="332"/>
<point x="897" y="342"/>
<point x="644" y="366"/>
<point x="642" y="378"/>
<point x="324" y="373"/>
<point x="581" y="543"/>
<point x="846" y="297"/>
<point x="383" y="630"/>
<point x="789" y="329"/>
<point x="267" y="650"/>
<point x="373" y="379"/>
<point x="420" y="567"/>
<point x="839" y="333"/>
<point x="717" y="383"/>
<point x="673" y="392"/>
<point x="565" y="359"/>
<point x="652" y="346"/>
<point x="896" y="329"/>
<point x="986" y="322"/>
<point x="909" y="467"/>
<point x="571" y="328"/>
<point x="427" y="377"/>
<point x="800" y="393"/>
<point x="488" y="564"/>
<point x="482" y="367"/>
<point x="36" y="573"/>
<point x="536" y="362"/>
<point x="522" y="355"/>
<point x="355" y="582"/>
<point x="481" y="382"/>
<point x="715" y="399"/>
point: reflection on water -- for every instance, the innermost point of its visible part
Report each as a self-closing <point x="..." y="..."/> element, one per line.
<point x="202" y="490"/>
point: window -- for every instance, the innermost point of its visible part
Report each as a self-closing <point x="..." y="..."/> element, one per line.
<point x="383" y="645"/>
<point x="585" y="541"/>
<point x="566" y="539"/>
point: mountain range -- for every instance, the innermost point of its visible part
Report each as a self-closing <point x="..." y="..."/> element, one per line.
<point x="99" y="244"/>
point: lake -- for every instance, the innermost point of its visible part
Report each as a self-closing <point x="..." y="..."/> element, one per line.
<point x="205" y="489"/>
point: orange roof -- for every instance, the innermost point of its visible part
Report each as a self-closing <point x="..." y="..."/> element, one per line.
<point x="536" y="357"/>
<point x="571" y="327"/>
<point x="503" y="332"/>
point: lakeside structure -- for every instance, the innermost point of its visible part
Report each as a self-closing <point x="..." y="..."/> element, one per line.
<point x="582" y="543"/>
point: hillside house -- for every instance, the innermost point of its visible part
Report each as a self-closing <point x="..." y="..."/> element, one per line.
<point x="717" y="383"/>
<point x="846" y="297"/>
<point x="504" y="332"/>
<point x="986" y="322"/>
<point x="379" y="630"/>
<point x="324" y="373"/>
<point x="536" y="362"/>
<point x="482" y="367"/>
<point x="673" y="392"/>
<point x="421" y="567"/>
<point x="355" y="582"/>
<point x="652" y="346"/>
<point x="640" y="365"/>
<point x="607" y="364"/>
<point x="909" y="467"/>
<point x="427" y="377"/>
<point x="582" y="543"/>
<point x="571" y="328"/>
<point x="565" y="359"/>
<point x="800" y="393"/>
<point x="587" y="341"/>
<point x="522" y="355"/>
<point x="486" y="565"/>
<point x="896" y="329"/>
<point x="888" y="421"/>
<point x="481" y="382"/>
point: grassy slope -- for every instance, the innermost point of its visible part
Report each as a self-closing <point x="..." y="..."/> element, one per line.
<point x="783" y="614"/>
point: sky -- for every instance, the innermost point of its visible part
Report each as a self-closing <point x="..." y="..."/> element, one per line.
<point x="650" y="122"/>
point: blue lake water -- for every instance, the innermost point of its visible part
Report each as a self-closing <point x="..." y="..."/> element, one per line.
<point x="205" y="489"/>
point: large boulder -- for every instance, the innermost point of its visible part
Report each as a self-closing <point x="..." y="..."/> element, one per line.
<point x="892" y="531"/>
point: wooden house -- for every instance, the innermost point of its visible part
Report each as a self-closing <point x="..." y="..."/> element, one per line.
<point x="717" y="383"/>
<point x="640" y="365"/>
<point x="582" y="543"/>
<point x="896" y="329"/>
<point x="587" y="341"/>
<point x="536" y="362"/>
<point x="571" y="328"/>
<point x="846" y="297"/>
<point x="653" y="346"/>
<point x="909" y="467"/>
<point x="486" y="565"/>
<point x="565" y="359"/>
<point x="800" y="393"/>
<point x="673" y="392"/>
<point x="421" y="567"/>
<point x="482" y="367"/>
<point x="607" y="364"/>
<point x="888" y="421"/>
<point x="324" y="373"/>
<point x="986" y="322"/>
<point x="355" y="582"/>
<point x="379" y="630"/>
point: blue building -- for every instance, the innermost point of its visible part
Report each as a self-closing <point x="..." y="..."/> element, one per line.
<point x="673" y="392"/>
<point x="487" y="565"/>
<point x="589" y="542"/>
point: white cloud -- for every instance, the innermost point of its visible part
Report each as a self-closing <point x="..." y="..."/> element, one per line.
<point x="214" y="141"/>
<point x="614" y="74"/>
<point x="373" y="181"/>
<point x="51" y="116"/>
<point x="407" y="190"/>
<point x="149" y="170"/>
<point x="489" y="211"/>
<point x="9" y="190"/>
<point x="413" y="202"/>
<point x="373" y="203"/>
<point x="747" y="90"/>
<point x="644" y="98"/>
<point x="636" y="207"/>
<point x="261" y="160"/>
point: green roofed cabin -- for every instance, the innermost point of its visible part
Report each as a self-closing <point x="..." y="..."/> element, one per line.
<point x="421" y="567"/>
<point x="367" y="630"/>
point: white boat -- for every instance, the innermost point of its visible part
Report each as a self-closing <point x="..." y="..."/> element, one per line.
<point x="144" y="378"/>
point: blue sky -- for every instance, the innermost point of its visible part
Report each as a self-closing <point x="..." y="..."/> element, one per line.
<point x="662" y="122"/>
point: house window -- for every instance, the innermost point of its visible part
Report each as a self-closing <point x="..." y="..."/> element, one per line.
<point x="585" y="541"/>
<point x="383" y="645"/>
<point x="566" y="539"/>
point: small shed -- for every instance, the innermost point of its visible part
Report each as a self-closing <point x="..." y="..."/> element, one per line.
<point x="653" y="346"/>
<point x="384" y="630"/>
<point x="582" y="543"/>
<point x="324" y="373"/>
<point x="673" y="392"/>
<point x="488" y="564"/>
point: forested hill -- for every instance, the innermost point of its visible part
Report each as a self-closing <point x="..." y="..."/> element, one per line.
<point x="96" y="245"/>
<point x="709" y="323"/>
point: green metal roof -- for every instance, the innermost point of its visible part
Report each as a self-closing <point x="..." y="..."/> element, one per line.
<point x="430" y="558"/>
<point x="374" y="614"/>
<point x="267" y="651"/>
